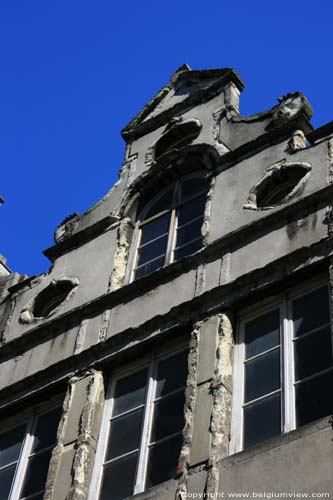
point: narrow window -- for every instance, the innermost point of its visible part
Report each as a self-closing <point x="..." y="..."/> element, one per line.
<point x="285" y="369"/>
<point x="25" y="453"/>
<point x="170" y="227"/>
<point x="143" y="423"/>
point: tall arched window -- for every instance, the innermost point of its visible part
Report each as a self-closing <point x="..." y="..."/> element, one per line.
<point x="170" y="225"/>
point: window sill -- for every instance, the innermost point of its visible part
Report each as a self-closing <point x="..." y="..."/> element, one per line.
<point x="165" y="490"/>
<point x="276" y="442"/>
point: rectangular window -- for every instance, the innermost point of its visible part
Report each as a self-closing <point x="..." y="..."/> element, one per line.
<point x="25" y="452"/>
<point x="284" y="368"/>
<point x="141" y="434"/>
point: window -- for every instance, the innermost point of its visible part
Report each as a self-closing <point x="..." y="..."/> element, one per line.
<point x="170" y="226"/>
<point x="25" y="452"/>
<point x="284" y="373"/>
<point x="141" y="434"/>
<point x="177" y="137"/>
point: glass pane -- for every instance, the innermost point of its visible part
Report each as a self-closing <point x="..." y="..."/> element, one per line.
<point x="311" y="311"/>
<point x="163" y="461"/>
<point x="168" y="416"/>
<point x="262" y="375"/>
<point x="154" y="229"/>
<point x="171" y="374"/>
<point x="313" y="399"/>
<point x="36" y="474"/>
<point x="46" y="429"/>
<point x="189" y="232"/>
<point x="10" y="445"/>
<point x="182" y="252"/>
<point x="191" y="187"/>
<point x="130" y="392"/>
<point x="6" y="479"/>
<point x="118" y="478"/>
<point x="125" y="434"/>
<point x="313" y="353"/>
<point x="191" y="210"/>
<point x="262" y="420"/>
<point x="152" y="250"/>
<point x="163" y="203"/>
<point x="150" y="267"/>
<point x="262" y="333"/>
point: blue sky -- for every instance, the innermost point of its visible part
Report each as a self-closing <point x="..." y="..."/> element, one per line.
<point x="74" y="72"/>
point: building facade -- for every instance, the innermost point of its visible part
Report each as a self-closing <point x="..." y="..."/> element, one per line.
<point x="180" y="345"/>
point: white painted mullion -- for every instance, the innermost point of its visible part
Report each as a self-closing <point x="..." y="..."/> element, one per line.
<point x="289" y="393"/>
<point x="23" y="459"/>
<point x="146" y="430"/>
<point x="102" y="444"/>
<point x="238" y="391"/>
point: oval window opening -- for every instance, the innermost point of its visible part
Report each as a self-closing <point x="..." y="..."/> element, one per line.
<point x="275" y="189"/>
<point x="50" y="298"/>
<point x="178" y="137"/>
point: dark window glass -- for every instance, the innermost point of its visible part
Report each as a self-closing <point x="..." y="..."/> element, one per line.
<point x="191" y="187"/>
<point x="6" y="479"/>
<point x="155" y="229"/>
<point x="163" y="460"/>
<point x="152" y="250"/>
<point x="313" y="398"/>
<point x="130" y="392"/>
<point x="163" y="203"/>
<point x="10" y="445"/>
<point x="191" y="210"/>
<point x="168" y="416"/>
<point x="125" y="434"/>
<point x="118" y="478"/>
<point x="313" y="353"/>
<point x="150" y="267"/>
<point x="262" y="375"/>
<point x="171" y="374"/>
<point x="262" y="420"/>
<point x="262" y="333"/>
<point x="311" y="311"/>
<point x="46" y="430"/>
<point x="36" y="473"/>
<point x="189" y="232"/>
<point x="182" y="252"/>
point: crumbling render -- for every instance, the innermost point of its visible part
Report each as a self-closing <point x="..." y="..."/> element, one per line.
<point x="222" y="400"/>
<point x="125" y="230"/>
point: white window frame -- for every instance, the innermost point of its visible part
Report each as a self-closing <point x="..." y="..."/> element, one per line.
<point x="283" y="302"/>
<point x="175" y="205"/>
<point x="151" y="364"/>
<point x="30" y="420"/>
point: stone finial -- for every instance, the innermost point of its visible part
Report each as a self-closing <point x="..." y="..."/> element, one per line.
<point x="290" y="105"/>
<point x="297" y="141"/>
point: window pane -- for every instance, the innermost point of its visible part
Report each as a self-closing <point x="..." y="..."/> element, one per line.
<point x="311" y="311"/>
<point x="313" y="399"/>
<point x="46" y="430"/>
<point x="36" y="474"/>
<point x="168" y="416"/>
<point x="313" y="353"/>
<point x="171" y="374"/>
<point x="191" y="210"/>
<point x="154" y="229"/>
<point x="130" y="392"/>
<point x="6" y="479"/>
<point x="262" y="333"/>
<point x="191" y="187"/>
<point x="182" y="252"/>
<point x="262" y="420"/>
<point x="189" y="232"/>
<point x="151" y="250"/>
<point x="262" y="375"/>
<point x="150" y="267"/>
<point x="118" y="478"/>
<point x="163" y="461"/>
<point x="163" y="203"/>
<point x="125" y="434"/>
<point x="10" y="445"/>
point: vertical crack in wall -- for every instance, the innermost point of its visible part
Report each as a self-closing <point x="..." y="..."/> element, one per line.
<point x="190" y="398"/>
<point x="222" y="401"/>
